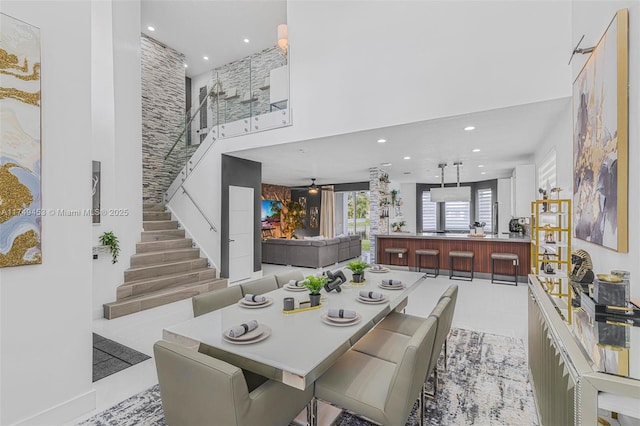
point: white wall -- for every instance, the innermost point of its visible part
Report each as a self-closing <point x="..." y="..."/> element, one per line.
<point x="408" y="208"/>
<point x="591" y="19"/>
<point x="45" y="335"/>
<point x="116" y="134"/>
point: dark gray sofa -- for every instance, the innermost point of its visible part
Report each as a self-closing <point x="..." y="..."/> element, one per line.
<point x="350" y="247"/>
<point x="308" y="253"/>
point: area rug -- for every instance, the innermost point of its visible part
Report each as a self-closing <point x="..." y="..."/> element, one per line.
<point x="486" y="383"/>
<point x="109" y="357"/>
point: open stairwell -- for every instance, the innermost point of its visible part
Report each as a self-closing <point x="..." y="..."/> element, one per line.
<point x="166" y="267"/>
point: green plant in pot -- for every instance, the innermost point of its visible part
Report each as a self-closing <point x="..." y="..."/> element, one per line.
<point x="315" y="284"/>
<point x="110" y="240"/>
<point x="357" y="267"/>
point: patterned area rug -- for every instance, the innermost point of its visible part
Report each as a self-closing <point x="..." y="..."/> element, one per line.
<point x="486" y="383"/>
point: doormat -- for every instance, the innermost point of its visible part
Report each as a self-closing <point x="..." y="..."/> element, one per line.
<point x="109" y="357"/>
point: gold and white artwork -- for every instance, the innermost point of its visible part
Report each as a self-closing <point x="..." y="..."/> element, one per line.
<point x="20" y="189"/>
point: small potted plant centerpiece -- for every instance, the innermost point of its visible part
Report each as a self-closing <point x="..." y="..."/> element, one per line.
<point x="315" y="284"/>
<point x="357" y="267"/>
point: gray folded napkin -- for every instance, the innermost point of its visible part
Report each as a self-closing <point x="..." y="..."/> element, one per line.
<point x="254" y="298"/>
<point x="370" y="294"/>
<point x="239" y="330"/>
<point x="391" y="282"/>
<point x="294" y="283"/>
<point x="341" y="313"/>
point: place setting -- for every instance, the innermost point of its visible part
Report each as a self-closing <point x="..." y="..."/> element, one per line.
<point x="254" y="301"/>
<point x="371" y="297"/>
<point x="379" y="269"/>
<point x="294" y="285"/>
<point x="340" y="317"/>
<point x="391" y="285"/>
<point x="247" y="333"/>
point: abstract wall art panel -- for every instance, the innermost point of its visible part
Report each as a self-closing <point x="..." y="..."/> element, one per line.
<point x="600" y="141"/>
<point x="20" y="196"/>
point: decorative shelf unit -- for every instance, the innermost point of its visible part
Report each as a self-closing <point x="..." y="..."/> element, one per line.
<point x="551" y="245"/>
<point x="385" y="203"/>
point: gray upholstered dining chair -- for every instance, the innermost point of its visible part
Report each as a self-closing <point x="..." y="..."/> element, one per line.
<point x="377" y="388"/>
<point x="392" y="333"/>
<point x="260" y="286"/>
<point x="197" y="390"/>
<point x="285" y="277"/>
<point x="217" y="299"/>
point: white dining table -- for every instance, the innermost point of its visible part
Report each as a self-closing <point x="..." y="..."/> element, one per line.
<point x="301" y="346"/>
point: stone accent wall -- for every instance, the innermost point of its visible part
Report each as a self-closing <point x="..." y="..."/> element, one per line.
<point x="245" y="75"/>
<point x="163" y="109"/>
<point x="377" y="193"/>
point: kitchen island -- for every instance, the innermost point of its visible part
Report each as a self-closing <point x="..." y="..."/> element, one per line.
<point x="482" y="247"/>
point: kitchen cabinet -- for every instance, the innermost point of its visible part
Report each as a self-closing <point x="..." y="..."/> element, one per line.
<point x="524" y="189"/>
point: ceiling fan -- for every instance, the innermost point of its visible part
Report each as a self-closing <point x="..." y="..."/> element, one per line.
<point x="313" y="188"/>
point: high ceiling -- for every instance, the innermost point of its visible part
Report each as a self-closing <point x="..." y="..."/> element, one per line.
<point x="505" y="137"/>
<point x="213" y="28"/>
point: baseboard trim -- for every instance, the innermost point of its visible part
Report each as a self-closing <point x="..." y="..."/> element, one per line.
<point x="63" y="412"/>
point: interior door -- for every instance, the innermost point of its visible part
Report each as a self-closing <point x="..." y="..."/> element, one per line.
<point x="240" y="233"/>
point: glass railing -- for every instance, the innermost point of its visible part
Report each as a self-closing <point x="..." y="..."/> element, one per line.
<point x="246" y="96"/>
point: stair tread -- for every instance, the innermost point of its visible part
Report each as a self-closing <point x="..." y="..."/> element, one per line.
<point x="168" y="276"/>
<point x="176" y="250"/>
<point x="177" y="262"/>
<point x="162" y="292"/>
<point x="155" y="231"/>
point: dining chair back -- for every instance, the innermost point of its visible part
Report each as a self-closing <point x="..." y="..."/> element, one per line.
<point x="197" y="389"/>
<point x="217" y="299"/>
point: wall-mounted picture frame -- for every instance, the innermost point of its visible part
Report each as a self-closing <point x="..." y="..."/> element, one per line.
<point x="303" y="203"/>
<point x="600" y="141"/>
<point x="314" y="217"/>
<point x="20" y="144"/>
<point x="95" y="193"/>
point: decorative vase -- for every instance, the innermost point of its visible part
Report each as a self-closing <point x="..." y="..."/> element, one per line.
<point x="315" y="299"/>
<point x="358" y="278"/>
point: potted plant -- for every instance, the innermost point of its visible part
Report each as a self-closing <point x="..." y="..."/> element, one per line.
<point x="357" y="267"/>
<point x="110" y="240"/>
<point x="291" y="214"/>
<point x="315" y="284"/>
<point x="397" y="223"/>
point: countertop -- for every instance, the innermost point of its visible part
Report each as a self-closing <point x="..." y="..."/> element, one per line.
<point x="510" y="238"/>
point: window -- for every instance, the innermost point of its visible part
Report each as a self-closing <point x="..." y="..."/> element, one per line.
<point x="428" y="212"/>
<point x="547" y="172"/>
<point x="484" y="208"/>
<point x="456" y="216"/>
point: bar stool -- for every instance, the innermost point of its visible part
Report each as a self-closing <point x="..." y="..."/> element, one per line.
<point x="395" y="250"/>
<point x="460" y="255"/>
<point x="430" y="253"/>
<point x="505" y="256"/>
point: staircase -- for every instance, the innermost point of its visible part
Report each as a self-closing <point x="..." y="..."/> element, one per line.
<point x="166" y="268"/>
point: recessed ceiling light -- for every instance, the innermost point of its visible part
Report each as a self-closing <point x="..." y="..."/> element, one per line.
<point x="150" y="28"/>
<point x="186" y="66"/>
<point x="246" y="40"/>
<point x="480" y="165"/>
<point x="469" y="128"/>
<point x="483" y="173"/>
<point x="385" y="164"/>
<point x="476" y="150"/>
<point x="406" y="158"/>
<point x="206" y="58"/>
<point x="436" y="176"/>
<point x="382" y="140"/>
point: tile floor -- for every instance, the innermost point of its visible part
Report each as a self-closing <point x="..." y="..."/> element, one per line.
<point x="482" y="306"/>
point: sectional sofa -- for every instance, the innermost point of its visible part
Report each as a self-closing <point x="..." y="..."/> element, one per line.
<point x="310" y="253"/>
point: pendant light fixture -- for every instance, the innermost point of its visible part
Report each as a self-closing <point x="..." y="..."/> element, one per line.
<point x="457" y="193"/>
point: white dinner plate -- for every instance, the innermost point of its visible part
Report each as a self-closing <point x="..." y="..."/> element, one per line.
<point x="259" y="334"/>
<point x="392" y="287"/>
<point x="379" y="271"/>
<point x="294" y="288"/>
<point x="342" y="323"/>
<point x="255" y="305"/>
<point x="372" y="301"/>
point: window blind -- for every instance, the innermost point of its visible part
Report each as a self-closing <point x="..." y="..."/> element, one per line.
<point x="484" y="208"/>
<point x="547" y="172"/>
<point x="428" y="212"/>
<point x="456" y="216"/>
